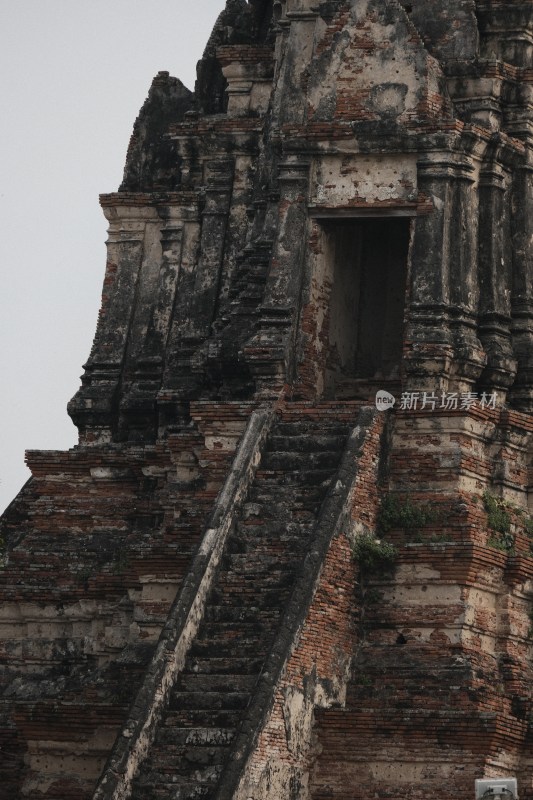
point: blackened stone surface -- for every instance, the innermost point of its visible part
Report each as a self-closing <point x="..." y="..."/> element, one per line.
<point x="152" y="163"/>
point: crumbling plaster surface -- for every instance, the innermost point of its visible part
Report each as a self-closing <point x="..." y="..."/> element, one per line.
<point x="356" y="179"/>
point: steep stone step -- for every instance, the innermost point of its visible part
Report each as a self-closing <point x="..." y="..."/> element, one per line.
<point x="236" y="613"/>
<point x="277" y="523"/>
<point x="303" y="443"/>
<point x="178" y="758"/>
<point x="267" y="599"/>
<point x="288" y="544"/>
<point x="303" y="495"/>
<point x="268" y="563"/>
<point x="253" y="512"/>
<point x="196" y="737"/>
<point x="169" y="779"/>
<point x="220" y="666"/>
<point x="328" y="427"/>
<point x="310" y="477"/>
<point x="223" y="648"/>
<point x="287" y="460"/>
<point x="276" y="581"/>
<point x="169" y="791"/>
<point x="261" y="532"/>
<point x="274" y="556"/>
<point x="215" y="719"/>
<point x="192" y="682"/>
<point x="236" y="629"/>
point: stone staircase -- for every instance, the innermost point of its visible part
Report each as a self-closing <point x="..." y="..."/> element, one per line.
<point x="255" y="580"/>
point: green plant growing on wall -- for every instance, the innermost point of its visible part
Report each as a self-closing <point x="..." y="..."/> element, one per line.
<point x="373" y="555"/>
<point x="499" y="521"/>
<point x="504" y="519"/>
<point x="3" y="551"/>
<point x="503" y="542"/>
<point x="498" y="516"/>
<point x="406" y="514"/>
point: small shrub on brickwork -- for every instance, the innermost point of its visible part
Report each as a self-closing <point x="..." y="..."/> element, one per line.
<point x="504" y="518"/>
<point x="498" y="517"/>
<point x="373" y="596"/>
<point x="3" y="553"/>
<point x="404" y="514"/>
<point x="373" y="555"/>
<point x="503" y="542"/>
<point x="499" y="521"/>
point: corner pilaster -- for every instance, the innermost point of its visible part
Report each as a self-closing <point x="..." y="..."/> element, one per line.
<point x="495" y="280"/>
<point x="270" y="351"/>
<point x="521" y="394"/>
<point x="94" y="407"/>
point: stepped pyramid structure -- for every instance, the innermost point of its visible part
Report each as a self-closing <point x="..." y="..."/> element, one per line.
<point x="249" y="580"/>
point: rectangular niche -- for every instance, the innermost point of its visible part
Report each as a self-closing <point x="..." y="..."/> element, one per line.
<point x="368" y="272"/>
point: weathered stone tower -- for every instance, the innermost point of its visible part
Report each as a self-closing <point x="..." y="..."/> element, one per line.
<point x="247" y="582"/>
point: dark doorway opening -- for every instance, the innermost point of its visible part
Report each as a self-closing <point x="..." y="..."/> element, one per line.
<point x="366" y="321"/>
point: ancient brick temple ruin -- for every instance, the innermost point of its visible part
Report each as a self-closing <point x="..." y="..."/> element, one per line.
<point x="247" y="582"/>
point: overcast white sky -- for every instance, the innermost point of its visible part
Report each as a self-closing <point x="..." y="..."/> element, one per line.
<point x="73" y="76"/>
